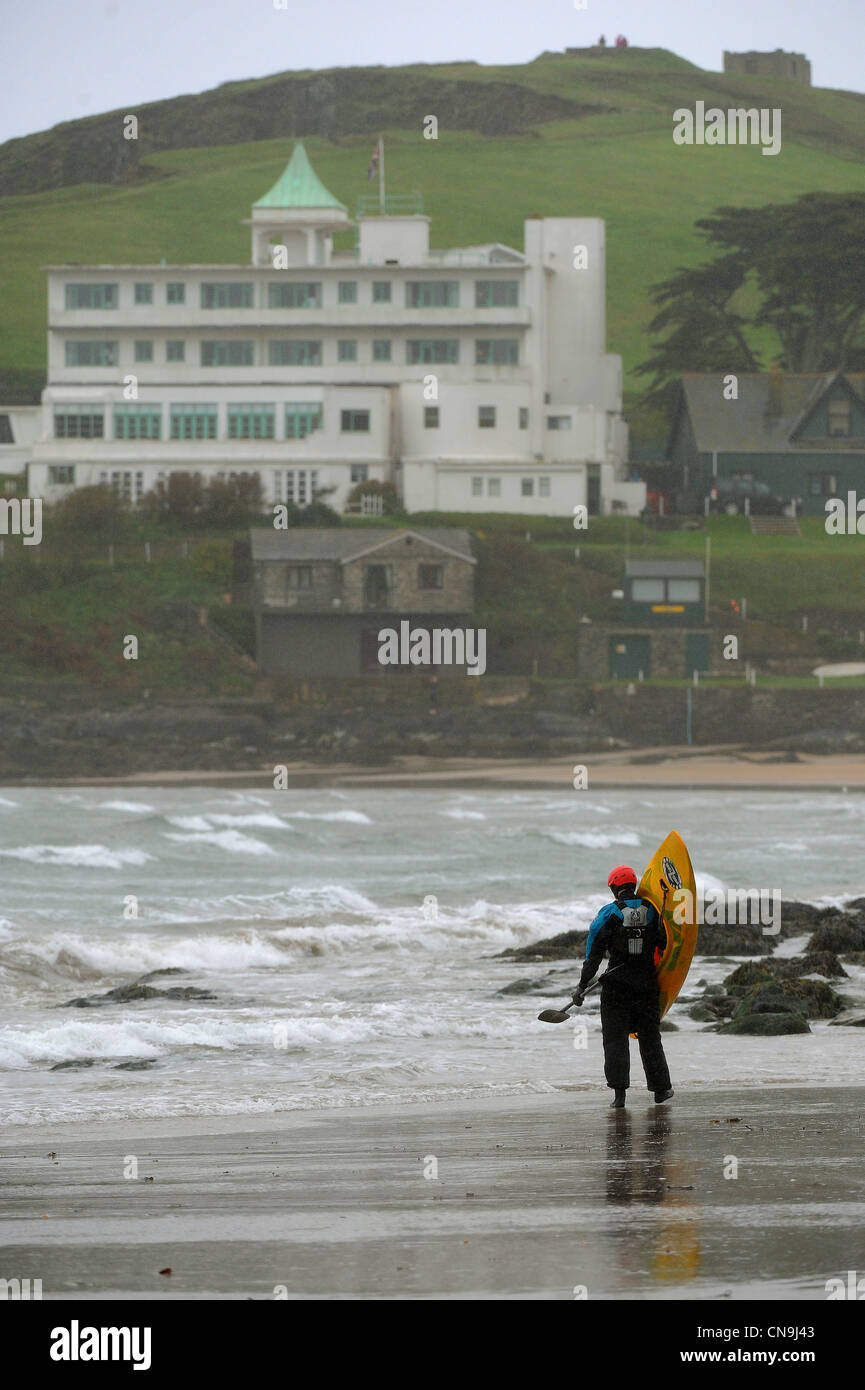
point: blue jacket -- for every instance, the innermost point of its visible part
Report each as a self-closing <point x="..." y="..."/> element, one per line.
<point x="600" y="939"/>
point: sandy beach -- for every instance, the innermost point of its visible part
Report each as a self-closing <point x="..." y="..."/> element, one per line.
<point x="536" y="1197"/>
<point x="722" y="768"/>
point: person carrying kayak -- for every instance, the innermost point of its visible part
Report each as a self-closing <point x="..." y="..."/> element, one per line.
<point x="630" y="930"/>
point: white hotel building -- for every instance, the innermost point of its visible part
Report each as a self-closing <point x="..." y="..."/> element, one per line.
<point x="474" y="379"/>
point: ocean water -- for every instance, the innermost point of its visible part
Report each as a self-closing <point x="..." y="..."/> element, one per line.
<point x="336" y="981"/>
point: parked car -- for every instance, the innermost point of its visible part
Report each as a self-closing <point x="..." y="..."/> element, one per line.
<point x="729" y="495"/>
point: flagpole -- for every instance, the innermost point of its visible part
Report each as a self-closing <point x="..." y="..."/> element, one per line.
<point x="381" y="198"/>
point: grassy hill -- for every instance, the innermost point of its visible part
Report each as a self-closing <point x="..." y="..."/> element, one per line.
<point x="585" y="135"/>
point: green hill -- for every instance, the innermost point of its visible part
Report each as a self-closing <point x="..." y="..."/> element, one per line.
<point x="582" y="135"/>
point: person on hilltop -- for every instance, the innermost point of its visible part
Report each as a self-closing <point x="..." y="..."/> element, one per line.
<point x="630" y="929"/>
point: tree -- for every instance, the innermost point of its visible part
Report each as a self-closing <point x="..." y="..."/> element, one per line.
<point x="803" y="260"/>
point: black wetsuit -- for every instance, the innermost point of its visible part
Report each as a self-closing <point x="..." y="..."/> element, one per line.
<point x="629" y="999"/>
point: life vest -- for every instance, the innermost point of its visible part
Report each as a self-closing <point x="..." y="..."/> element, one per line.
<point x="634" y="936"/>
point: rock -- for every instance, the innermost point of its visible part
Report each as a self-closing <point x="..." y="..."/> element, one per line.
<point x="854" y="958"/>
<point x="128" y="994"/>
<point x="668" y="1027"/>
<point x="77" y="1065"/>
<point x="712" y="1010"/>
<point x="811" y="998"/>
<point x="838" y="932"/>
<point x="523" y="987"/>
<point x="567" y="943"/>
<point x="766" y="1025"/>
<point x="793" y="968"/>
<point x="745" y="940"/>
<point x="144" y="1064"/>
<point x="850" y="1018"/>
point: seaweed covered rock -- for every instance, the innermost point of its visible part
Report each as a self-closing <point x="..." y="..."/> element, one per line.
<point x="810" y="998"/>
<point x="566" y="944"/>
<point x="734" y="940"/>
<point x="838" y="931"/>
<point x="767" y="1024"/>
<point x="754" y="972"/>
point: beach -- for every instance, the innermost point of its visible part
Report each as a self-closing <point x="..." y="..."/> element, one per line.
<point x="714" y="768"/>
<point x="548" y="1197"/>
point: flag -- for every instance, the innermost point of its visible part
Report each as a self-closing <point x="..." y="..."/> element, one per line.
<point x="373" y="163"/>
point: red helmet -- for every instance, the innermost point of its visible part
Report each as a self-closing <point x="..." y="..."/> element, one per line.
<point x="621" y="875"/>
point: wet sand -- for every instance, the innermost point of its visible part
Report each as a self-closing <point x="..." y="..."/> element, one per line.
<point x="716" y="768"/>
<point x="535" y="1197"/>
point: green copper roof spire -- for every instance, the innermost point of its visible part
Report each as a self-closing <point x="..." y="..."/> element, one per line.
<point x="299" y="186"/>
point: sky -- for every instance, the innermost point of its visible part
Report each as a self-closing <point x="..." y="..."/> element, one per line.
<point x="60" y="61"/>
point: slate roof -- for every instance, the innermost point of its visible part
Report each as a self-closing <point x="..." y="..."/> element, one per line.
<point x="664" y="569"/>
<point x="339" y="544"/>
<point x="745" y="426"/>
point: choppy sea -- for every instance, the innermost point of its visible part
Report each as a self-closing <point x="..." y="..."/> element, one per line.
<point x="336" y="979"/>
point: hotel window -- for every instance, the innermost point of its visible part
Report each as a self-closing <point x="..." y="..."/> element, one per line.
<point x="251" y="421"/>
<point x="294" y="352"/>
<point x="839" y="416"/>
<point x="144" y="292"/>
<point x="527" y="487"/>
<point x="432" y="294"/>
<point x="347" y="292"/>
<point x="227" y="295"/>
<point x="497" y="294"/>
<point x="486" y="417"/>
<point x="193" y="422"/>
<point x="294" y="294"/>
<point x="494" y="487"/>
<point x="144" y="350"/>
<point x="91" y="354"/>
<point x="347" y="349"/>
<point x="61" y="474"/>
<point x="137" y="422"/>
<point x="381" y="349"/>
<point x="91" y="296"/>
<point x="430" y="417"/>
<point x="543" y="487"/>
<point x="477" y="487"/>
<point x="524" y="417"/>
<point x="497" y="352"/>
<point x="430" y="576"/>
<point x="558" y="422"/>
<point x="175" y="350"/>
<point x="302" y="418"/>
<point x="359" y="473"/>
<point x="175" y="292"/>
<point x="296" y="485"/>
<point x="432" y="350"/>
<point x="354" y="421"/>
<point x="381" y="290"/>
<point x="128" y="485"/>
<point x="228" y="353"/>
<point x="78" y="422"/>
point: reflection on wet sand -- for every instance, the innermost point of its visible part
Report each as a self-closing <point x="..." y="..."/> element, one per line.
<point x="646" y="1172"/>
